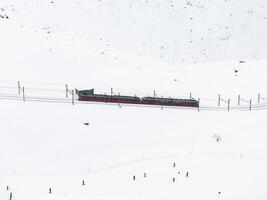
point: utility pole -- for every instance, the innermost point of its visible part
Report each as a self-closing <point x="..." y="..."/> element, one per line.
<point x="198" y="108"/>
<point x="67" y="90"/>
<point x="23" y="93"/>
<point x="19" y="87"/>
<point x="72" y="93"/>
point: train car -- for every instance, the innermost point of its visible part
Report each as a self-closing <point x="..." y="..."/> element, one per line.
<point x="169" y="102"/>
<point x="89" y="95"/>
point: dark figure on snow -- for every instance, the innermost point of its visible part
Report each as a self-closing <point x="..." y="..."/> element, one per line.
<point x="187" y="174"/>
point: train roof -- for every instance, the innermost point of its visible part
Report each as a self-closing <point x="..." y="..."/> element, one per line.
<point x="90" y="93"/>
<point x="168" y="99"/>
<point x="109" y="96"/>
<point x="85" y="92"/>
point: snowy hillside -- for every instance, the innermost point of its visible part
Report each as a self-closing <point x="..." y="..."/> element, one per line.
<point x="172" y="31"/>
<point x="51" y="149"/>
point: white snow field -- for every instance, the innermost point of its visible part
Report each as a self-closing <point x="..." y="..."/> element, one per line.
<point x="127" y="151"/>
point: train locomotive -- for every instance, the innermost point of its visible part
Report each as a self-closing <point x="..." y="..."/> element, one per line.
<point x="89" y="95"/>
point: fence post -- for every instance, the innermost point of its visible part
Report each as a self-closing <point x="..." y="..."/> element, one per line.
<point x="239" y="100"/>
<point x="259" y="96"/>
<point x="67" y="90"/>
<point x="19" y="88"/>
<point x="72" y="93"/>
<point x="250" y="104"/>
<point x="219" y="100"/>
<point x="198" y="104"/>
<point x="23" y="93"/>
<point x="228" y="105"/>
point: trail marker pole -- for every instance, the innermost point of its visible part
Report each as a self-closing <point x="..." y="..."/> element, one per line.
<point x="219" y="100"/>
<point x="259" y="96"/>
<point x="228" y="105"/>
<point x="190" y="95"/>
<point x="23" y="93"/>
<point x="72" y="93"/>
<point x="238" y="100"/>
<point x="67" y="90"/>
<point x="19" y="87"/>
<point x="250" y="104"/>
<point x="154" y="94"/>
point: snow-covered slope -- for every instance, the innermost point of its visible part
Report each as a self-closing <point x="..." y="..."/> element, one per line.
<point x="135" y="47"/>
<point x="172" y="31"/>
<point x="47" y="145"/>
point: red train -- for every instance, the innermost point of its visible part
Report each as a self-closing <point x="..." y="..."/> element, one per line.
<point x="89" y="95"/>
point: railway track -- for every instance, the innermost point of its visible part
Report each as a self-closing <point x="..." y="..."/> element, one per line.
<point x="75" y="101"/>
